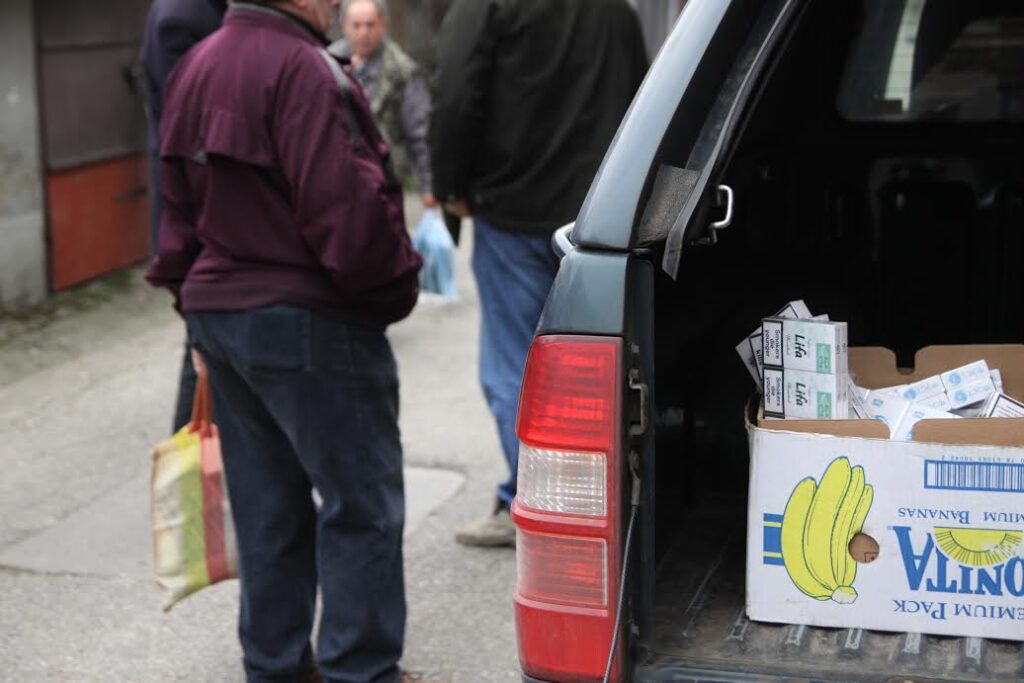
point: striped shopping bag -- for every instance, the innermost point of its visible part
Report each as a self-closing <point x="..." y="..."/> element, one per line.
<point x="193" y="534"/>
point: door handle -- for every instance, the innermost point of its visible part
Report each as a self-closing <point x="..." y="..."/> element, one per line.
<point x="726" y="196"/>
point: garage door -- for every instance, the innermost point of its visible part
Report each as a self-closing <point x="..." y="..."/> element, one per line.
<point x="93" y="136"/>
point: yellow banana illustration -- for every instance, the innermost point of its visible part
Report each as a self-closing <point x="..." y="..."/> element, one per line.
<point x="842" y="531"/>
<point x="819" y="521"/>
<point x="859" y="516"/>
<point x="822" y="519"/>
<point x="793" y="522"/>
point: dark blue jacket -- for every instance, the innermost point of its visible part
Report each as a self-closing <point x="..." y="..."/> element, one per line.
<point x="172" y="28"/>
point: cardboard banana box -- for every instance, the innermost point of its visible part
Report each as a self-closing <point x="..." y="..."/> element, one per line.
<point x="936" y="523"/>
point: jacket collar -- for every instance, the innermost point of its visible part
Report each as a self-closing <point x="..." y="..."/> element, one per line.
<point x="253" y="9"/>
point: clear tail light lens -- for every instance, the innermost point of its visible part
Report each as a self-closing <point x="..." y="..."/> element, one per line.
<point x="563" y="481"/>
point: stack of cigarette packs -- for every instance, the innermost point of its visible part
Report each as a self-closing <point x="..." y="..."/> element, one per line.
<point x="805" y="369"/>
<point x="973" y="390"/>
<point x="800" y="364"/>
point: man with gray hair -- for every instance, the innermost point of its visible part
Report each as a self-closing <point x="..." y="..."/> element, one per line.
<point x="283" y="241"/>
<point x="393" y="84"/>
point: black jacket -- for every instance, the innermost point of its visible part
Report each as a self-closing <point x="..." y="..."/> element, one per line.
<point x="172" y="28"/>
<point x="529" y="96"/>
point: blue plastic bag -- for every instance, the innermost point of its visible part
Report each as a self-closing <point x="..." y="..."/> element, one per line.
<point x="434" y="243"/>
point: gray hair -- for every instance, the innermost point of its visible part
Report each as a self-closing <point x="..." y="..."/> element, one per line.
<point x="381" y="5"/>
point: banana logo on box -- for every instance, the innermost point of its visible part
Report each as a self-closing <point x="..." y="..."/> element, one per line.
<point x="814" y="533"/>
<point x="977" y="547"/>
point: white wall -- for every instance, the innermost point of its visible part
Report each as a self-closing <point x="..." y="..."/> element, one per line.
<point x="22" y="222"/>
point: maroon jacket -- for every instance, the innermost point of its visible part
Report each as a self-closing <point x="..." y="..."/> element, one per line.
<point x="267" y="198"/>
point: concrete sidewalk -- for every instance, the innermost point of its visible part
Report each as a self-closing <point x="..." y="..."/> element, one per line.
<point x="84" y="393"/>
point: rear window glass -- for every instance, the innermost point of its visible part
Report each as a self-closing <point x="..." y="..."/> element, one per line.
<point x="936" y="60"/>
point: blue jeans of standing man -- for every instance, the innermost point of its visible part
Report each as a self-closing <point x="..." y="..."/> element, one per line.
<point x="514" y="272"/>
<point x="303" y="400"/>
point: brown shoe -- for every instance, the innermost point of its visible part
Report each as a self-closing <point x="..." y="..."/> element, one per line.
<point x="493" y="531"/>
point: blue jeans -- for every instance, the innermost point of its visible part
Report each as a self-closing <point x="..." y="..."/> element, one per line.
<point x="303" y="400"/>
<point x="514" y="272"/>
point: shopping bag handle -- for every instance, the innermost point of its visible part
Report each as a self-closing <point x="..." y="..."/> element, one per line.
<point x="202" y="403"/>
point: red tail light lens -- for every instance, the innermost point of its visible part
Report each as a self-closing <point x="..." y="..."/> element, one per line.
<point x="572" y="399"/>
<point x="567" y="509"/>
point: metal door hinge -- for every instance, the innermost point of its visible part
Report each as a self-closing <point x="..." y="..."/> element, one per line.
<point x="638" y="419"/>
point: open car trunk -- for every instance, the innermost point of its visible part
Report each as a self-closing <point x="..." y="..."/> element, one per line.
<point x="909" y="229"/>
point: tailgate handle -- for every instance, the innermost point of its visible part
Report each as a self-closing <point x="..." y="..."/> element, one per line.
<point x="725" y="197"/>
<point x="561" y="240"/>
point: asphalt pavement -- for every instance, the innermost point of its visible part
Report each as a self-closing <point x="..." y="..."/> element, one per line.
<point x="87" y="387"/>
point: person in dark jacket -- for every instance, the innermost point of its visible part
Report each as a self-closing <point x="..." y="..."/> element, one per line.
<point x="283" y="241"/>
<point x="529" y="96"/>
<point x="394" y="85"/>
<point x="172" y="28"/>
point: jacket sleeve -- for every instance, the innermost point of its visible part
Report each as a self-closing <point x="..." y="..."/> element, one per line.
<point x="465" y="59"/>
<point x="179" y="244"/>
<point x="349" y="214"/>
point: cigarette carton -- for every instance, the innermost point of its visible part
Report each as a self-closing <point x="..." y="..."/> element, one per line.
<point x="1002" y="405"/>
<point x="749" y="349"/>
<point x="808" y="345"/>
<point x="746" y="353"/>
<point x="855" y="396"/>
<point x="937" y="402"/>
<point x="967" y="374"/>
<point x="914" y="414"/>
<point x="798" y="394"/>
<point x="969" y="394"/>
<point x="888" y="409"/>
<point x="895" y="390"/>
<point x="926" y="388"/>
<point x="997" y="380"/>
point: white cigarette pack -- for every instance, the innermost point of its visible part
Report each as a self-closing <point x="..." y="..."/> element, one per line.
<point x="924" y="389"/>
<point x="1002" y="405"/>
<point x="749" y="349"/>
<point x="856" y="408"/>
<point x="808" y="345"/>
<point x="888" y="409"/>
<point x="997" y="380"/>
<point x="896" y="391"/>
<point x="799" y="394"/>
<point x="968" y="374"/>
<point x="975" y="392"/>
<point x="905" y="430"/>
<point x="746" y="353"/>
<point x="936" y="402"/>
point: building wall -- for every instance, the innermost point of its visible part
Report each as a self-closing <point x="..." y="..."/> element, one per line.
<point x="22" y="222"/>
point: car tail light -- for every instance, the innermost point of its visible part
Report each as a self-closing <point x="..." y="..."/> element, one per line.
<point x="567" y="510"/>
<point x="562" y="570"/>
<point x="562" y="481"/>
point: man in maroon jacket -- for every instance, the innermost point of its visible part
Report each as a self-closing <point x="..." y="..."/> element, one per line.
<point x="283" y="240"/>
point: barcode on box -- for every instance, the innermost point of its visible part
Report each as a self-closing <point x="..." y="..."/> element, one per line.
<point x="974" y="476"/>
